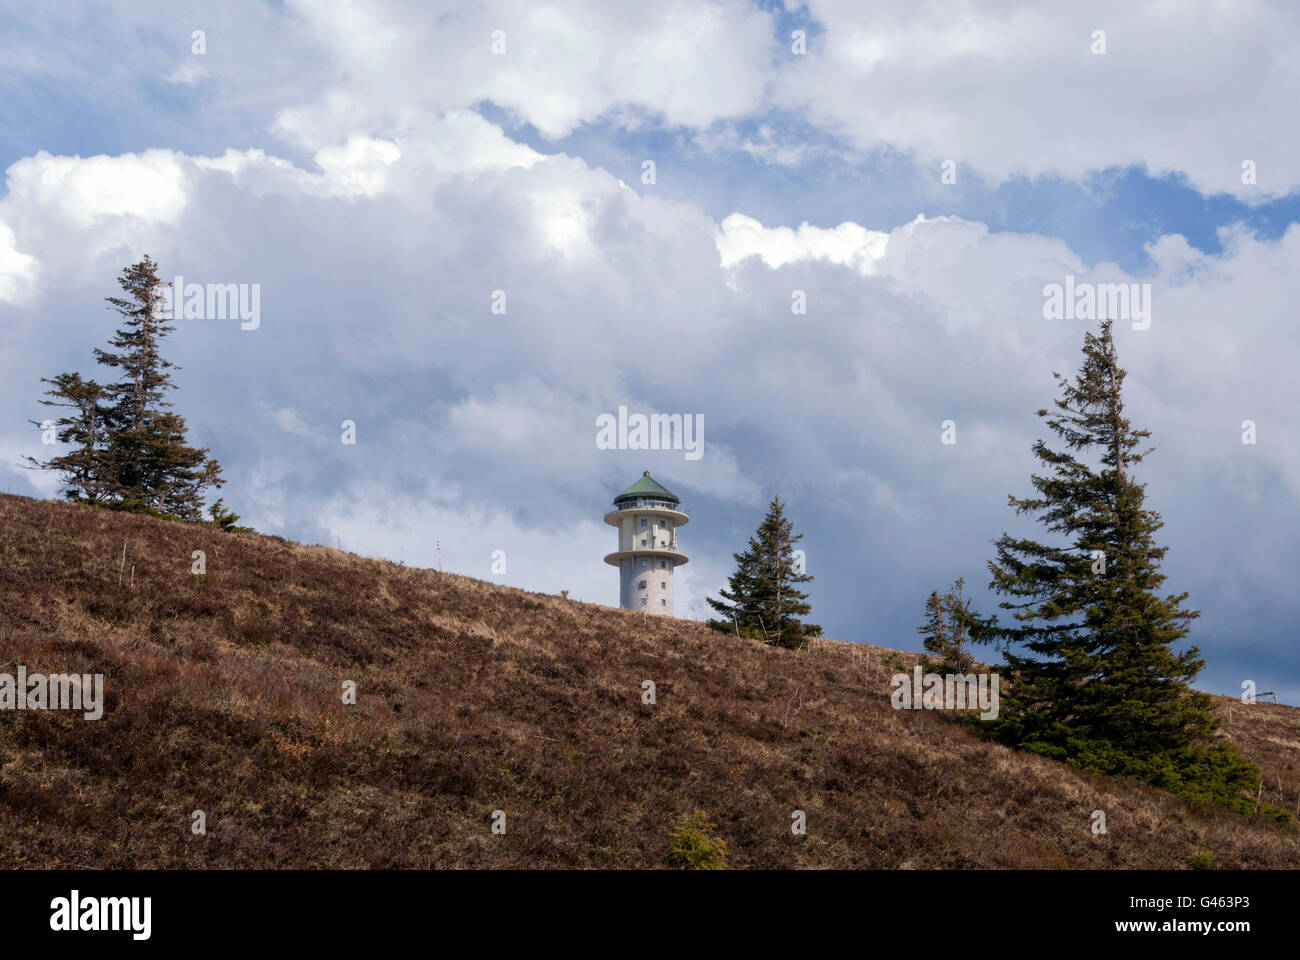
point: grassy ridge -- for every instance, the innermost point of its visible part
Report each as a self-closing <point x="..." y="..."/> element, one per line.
<point x="223" y="695"/>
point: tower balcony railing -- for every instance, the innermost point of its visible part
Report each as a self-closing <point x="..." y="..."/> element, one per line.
<point x="651" y="502"/>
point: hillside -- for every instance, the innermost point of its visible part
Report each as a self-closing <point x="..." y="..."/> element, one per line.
<point x="223" y="695"/>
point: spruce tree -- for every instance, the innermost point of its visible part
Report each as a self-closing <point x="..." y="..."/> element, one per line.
<point x="140" y="455"/>
<point x="764" y="601"/>
<point x="945" y="631"/>
<point x="84" y="470"/>
<point x="1095" y="678"/>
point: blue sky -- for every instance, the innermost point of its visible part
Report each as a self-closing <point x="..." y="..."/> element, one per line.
<point x="380" y="172"/>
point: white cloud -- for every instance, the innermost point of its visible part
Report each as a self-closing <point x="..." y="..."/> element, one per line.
<point x="848" y="244"/>
<point x="564" y="64"/>
<point x="360" y="166"/>
<point x="463" y="141"/>
<point x="149" y="186"/>
<point x="1013" y="87"/>
<point x="1001" y="88"/>
<point x="17" y="269"/>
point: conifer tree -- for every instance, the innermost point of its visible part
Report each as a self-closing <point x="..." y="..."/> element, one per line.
<point x="1095" y="678"/>
<point x="945" y="631"/>
<point x="764" y="600"/>
<point x="228" y="520"/>
<point x="83" y="468"/>
<point x="140" y="454"/>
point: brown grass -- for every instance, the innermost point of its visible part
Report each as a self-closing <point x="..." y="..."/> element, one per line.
<point x="224" y="696"/>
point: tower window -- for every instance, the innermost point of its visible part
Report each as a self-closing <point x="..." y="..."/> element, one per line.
<point x="661" y="523"/>
<point x="643" y="541"/>
<point x="643" y="521"/>
<point x="644" y="601"/>
<point x="662" y="585"/>
<point x="663" y="564"/>
<point x="641" y="585"/>
<point x="663" y="603"/>
<point x="642" y="564"/>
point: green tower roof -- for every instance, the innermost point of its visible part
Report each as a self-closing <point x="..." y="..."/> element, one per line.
<point x="647" y="487"/>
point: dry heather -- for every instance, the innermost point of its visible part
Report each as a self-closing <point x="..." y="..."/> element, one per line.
<point x="223" y="695"/>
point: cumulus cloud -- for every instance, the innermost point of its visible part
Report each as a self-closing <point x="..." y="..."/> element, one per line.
<point x="360" y="166"/>
<point x="17" y="269"/>
<point x="1011" y="88"/>
<point x="1000" y="89"/>
<point x="556" y="66"/>
<point x="849" y="244"/>
<point x="149" y="186"/>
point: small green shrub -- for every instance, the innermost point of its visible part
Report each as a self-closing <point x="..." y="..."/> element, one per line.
<point x="693" y="846"/>
<point x="1202" y="859"/>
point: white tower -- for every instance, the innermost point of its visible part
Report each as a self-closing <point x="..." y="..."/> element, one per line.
<point x="647" y="517"/>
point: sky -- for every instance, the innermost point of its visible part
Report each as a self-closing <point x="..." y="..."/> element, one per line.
<point x="476" y="228"/>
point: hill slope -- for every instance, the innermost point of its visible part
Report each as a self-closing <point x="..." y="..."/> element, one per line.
<point x="223" y="695"/>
